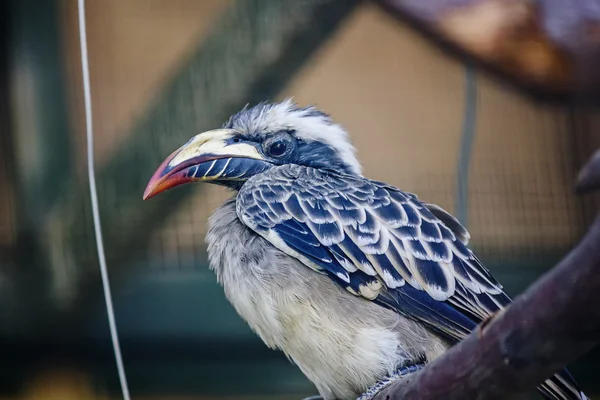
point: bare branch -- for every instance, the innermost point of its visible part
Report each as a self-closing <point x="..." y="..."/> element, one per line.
<point x="550" y="325"/>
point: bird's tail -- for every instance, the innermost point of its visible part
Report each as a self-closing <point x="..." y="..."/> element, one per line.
<point x="562" y="386"/>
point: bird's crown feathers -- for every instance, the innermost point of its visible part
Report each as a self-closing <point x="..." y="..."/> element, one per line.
<point x="308" y="124"/>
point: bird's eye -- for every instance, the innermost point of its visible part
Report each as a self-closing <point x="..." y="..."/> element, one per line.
<point x="279" y="145"/>
<point x="236" y="140"/>
<point x="277" y="149"/>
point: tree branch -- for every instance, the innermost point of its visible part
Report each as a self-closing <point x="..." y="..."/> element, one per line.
<point x="550" y="325"/>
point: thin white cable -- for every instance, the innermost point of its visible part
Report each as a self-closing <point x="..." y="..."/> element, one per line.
<point x="94" y="198"/>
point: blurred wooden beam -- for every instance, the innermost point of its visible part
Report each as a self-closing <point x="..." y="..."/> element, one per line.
<point x="36" y="145"/>
<point x="7" y="173"/>
<point x="252" y="52"/>
<point x="536" y="46"/>
<point x="39" y="129"/>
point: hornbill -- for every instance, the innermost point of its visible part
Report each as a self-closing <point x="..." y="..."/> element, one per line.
<point x="355" y="280"/>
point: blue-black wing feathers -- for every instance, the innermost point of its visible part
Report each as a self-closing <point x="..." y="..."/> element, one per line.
<point x="380" y="243"/>
<point x="376" y="241"/>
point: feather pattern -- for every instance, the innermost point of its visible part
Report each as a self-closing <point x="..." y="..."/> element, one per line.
<point x="380" y="243"/>
<point x="376" y="241"/>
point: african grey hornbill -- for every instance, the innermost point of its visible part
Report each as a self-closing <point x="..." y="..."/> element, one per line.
<point x="355" y="280"/>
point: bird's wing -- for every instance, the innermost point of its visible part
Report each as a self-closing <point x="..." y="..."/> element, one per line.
<point x="377" y="242"/>
<point x="383" y="244"/>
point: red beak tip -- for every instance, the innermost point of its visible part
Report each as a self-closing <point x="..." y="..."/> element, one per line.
<point x="161" y="182"/>
<point x="150" y="190"/>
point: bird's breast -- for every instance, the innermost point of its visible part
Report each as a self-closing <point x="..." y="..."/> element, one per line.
<point x="341" y="342"/>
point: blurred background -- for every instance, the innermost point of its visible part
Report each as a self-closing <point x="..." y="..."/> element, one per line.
<point x="485" y="107"/>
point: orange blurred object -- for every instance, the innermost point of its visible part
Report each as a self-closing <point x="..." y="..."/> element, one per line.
<point x="508" y="34"/>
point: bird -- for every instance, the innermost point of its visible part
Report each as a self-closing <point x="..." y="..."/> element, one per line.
<point x="352" y="278"/>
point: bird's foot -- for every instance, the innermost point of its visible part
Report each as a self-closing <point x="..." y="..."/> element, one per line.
<point x="401" y="373"/>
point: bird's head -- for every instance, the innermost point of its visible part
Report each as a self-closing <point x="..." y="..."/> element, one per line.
<point x="254" y="140"/>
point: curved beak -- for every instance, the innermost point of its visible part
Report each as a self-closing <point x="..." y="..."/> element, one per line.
<point x="208" y="157"/>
